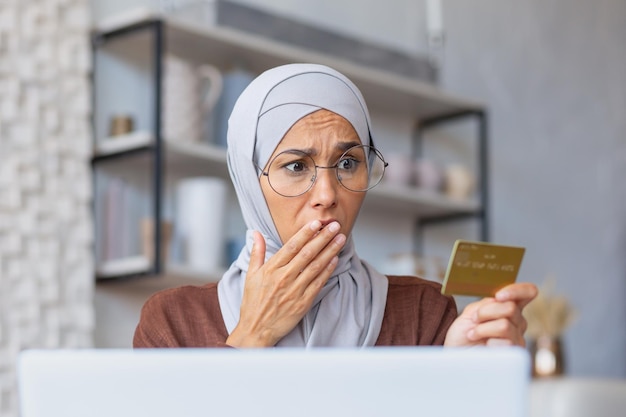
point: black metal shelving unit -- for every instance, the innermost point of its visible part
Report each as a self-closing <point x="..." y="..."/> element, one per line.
<point x="156" y="148"/>
<point x="482" y="213"/>
<point x="438" y="108"/>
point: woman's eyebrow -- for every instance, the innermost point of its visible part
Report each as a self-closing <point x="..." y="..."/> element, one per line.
<point x="308" y="151"/>
<point x="344" y="146"/>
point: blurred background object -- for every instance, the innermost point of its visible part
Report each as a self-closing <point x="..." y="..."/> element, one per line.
<point x="430" y="268"/>
<point x="429" y="175"/>
<point x="548" y="317"/>
<point x="578" y="397"/>
<point x="200" y="216"/>
<point x="459" y="182"/>
<point x="147" y="238"/>
<point x="121" y="124"/>
<point x="190" y="95"/>
<point x="400" y="170"/>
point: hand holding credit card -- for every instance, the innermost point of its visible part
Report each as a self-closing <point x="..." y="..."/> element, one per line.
<point x="481" y="269"/>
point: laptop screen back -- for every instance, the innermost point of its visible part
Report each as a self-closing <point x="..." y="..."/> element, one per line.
<point x="428" y="381"/>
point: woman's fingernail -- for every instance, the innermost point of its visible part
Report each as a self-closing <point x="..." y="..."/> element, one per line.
<point x="315" y="225"/>
<point x="333" y="227"/>
<point x="340" y="239"/>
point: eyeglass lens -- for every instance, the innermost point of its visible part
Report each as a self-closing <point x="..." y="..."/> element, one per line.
<point x="293" y="172"/>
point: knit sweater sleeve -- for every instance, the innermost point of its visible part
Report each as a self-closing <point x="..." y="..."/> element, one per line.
<point x="416" y="313"/>
<point x="181" y="317"/>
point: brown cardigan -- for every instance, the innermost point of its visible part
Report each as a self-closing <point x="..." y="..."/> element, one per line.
<point x="416" y="314"/>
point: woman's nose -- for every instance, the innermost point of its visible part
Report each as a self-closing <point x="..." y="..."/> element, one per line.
<point x="324" y="191"/>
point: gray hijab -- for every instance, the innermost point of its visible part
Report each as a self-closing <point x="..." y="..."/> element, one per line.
<point x="349" y="309"/>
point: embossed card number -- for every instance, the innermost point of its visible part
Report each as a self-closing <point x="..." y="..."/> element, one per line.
<point x="481" y="269"/>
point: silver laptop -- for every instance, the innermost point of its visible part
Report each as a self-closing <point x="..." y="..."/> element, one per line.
<point x="486" y="382"/>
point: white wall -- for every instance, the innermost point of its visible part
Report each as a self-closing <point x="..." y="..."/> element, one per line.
<point x="46" y="267"/>
<point x="398" y="24"/>
<point x="553" y="74"/>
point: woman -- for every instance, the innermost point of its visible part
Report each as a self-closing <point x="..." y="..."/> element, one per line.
<point x="301" y="156"/>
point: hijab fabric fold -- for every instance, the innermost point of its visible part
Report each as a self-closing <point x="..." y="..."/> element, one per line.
<point x="349" y="309"/>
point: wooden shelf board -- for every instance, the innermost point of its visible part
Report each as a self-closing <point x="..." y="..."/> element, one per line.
<point x="130" y="265"/>
<point x="123" y="143"/>
<point x="196" y="159"/>
<point x="140" y="265"/>
<point x="422" y="203"/>
<point x="188" y="273"/>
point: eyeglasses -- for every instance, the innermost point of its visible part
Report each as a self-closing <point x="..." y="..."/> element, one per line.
<point x="293" y="172"/>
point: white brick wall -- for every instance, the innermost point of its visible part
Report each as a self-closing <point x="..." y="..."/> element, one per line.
<point x="46" y="266"/>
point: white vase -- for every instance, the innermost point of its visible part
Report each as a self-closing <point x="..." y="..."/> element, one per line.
<point x="459" y="182"/>
<point x="200" y="217"/>
<point x="190" y="93"/>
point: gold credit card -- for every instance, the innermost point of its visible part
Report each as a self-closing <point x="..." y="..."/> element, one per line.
<point x="481" y="269"/>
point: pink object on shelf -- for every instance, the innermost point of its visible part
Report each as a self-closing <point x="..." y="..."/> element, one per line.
<point x="428" y="175"/>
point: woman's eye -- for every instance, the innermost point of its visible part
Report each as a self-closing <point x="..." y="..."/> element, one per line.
<point x="348" y="164"/>
<point x="296" y="166"/>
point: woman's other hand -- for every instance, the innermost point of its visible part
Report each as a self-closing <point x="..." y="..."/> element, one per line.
<point x="494" y="321"/>
<point x="279" y="292"/>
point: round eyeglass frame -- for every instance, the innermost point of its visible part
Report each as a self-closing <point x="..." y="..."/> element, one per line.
<point x="372" y="150"/>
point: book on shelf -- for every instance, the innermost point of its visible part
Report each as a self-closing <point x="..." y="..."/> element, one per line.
<point x="119" y="212"/>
